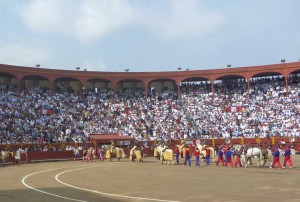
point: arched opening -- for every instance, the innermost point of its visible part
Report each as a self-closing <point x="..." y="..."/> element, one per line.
<point x="230" y="88"/>
<point x="67" y="84"/>
<point x="267" y="85"/>
<point x="101" y="87"/>
<point x="294" y="83"/>
<point x="98" y="83"/>
<point x="8" y="82"/>
<point x="130" y="89"/>
<point x="35" y="82"/>
<point x="160" y="89"/>
<point x="195" y="86"/>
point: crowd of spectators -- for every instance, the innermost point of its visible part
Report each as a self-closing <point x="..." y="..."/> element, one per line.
<point x="37" y="116"/>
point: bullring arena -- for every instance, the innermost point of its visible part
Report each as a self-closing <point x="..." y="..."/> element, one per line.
<point x="148" y="181"/>
<point x="44" y="111"/>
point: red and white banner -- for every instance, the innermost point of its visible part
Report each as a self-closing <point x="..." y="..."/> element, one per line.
<point x="230" y="109"/>
<point x="46" y="112"/>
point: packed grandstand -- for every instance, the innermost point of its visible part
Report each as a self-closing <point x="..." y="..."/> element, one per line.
<point x="35" y="111"/>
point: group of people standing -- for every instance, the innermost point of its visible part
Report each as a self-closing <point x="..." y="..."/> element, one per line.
<point x="227" y="155"/>
<point x="88" y="154"/>
<point x="15" y="156"/>
<point x="287" y="158"/>
<point x="187" y="155"/>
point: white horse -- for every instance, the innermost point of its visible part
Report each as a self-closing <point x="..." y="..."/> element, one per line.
<point x="203" y="152"/>
<point x="247" y="153"/>
<point x="166" y="155"/>
<point x="255" y="152"/>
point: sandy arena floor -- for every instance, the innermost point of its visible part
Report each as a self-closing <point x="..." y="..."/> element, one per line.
<point x="148" y="181"/>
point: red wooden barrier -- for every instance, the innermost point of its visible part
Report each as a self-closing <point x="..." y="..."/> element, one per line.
<point x="50" y="155"/>
<point x="148" y="151"/>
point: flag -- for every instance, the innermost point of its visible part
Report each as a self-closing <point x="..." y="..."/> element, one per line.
<point x="233" y="109"/>
<point x="230" y="109"/>
<point x="46" y="111"/>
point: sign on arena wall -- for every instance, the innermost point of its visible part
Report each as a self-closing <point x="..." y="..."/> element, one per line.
<point x="120" y="143"/>
<point x="126" y="143"/>
<point x="189" y="142"/>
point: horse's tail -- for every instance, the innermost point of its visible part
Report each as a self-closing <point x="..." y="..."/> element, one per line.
<point x="123" y="153"/>
<point x="261" y="158"/>
<point x="260" y="154"/>
<point x="199" y="146"/>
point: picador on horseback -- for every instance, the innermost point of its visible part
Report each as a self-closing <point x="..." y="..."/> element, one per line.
<point x="136" y="152"/>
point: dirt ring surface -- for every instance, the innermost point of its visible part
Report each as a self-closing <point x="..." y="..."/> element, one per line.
<point x="148" y="181"/>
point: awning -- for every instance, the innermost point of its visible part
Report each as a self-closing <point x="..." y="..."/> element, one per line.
<point x="107" y="138"/>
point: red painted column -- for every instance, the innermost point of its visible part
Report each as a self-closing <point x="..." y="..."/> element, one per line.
<point x="114" y="89"/>
<point x="248" y="83"/>
<point x="178" y="91"/>
<point x="286" y="86"/>
<point x="213" y="89"/>
<point x="51" y="88"/>
<point x="19" y="88"/>
<point x="146" y="91"/>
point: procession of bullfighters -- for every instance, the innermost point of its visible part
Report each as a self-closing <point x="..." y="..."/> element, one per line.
<point x="235" y="155"/>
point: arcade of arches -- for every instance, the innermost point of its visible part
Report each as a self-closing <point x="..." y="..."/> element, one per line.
<point x="207" y="80"/>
